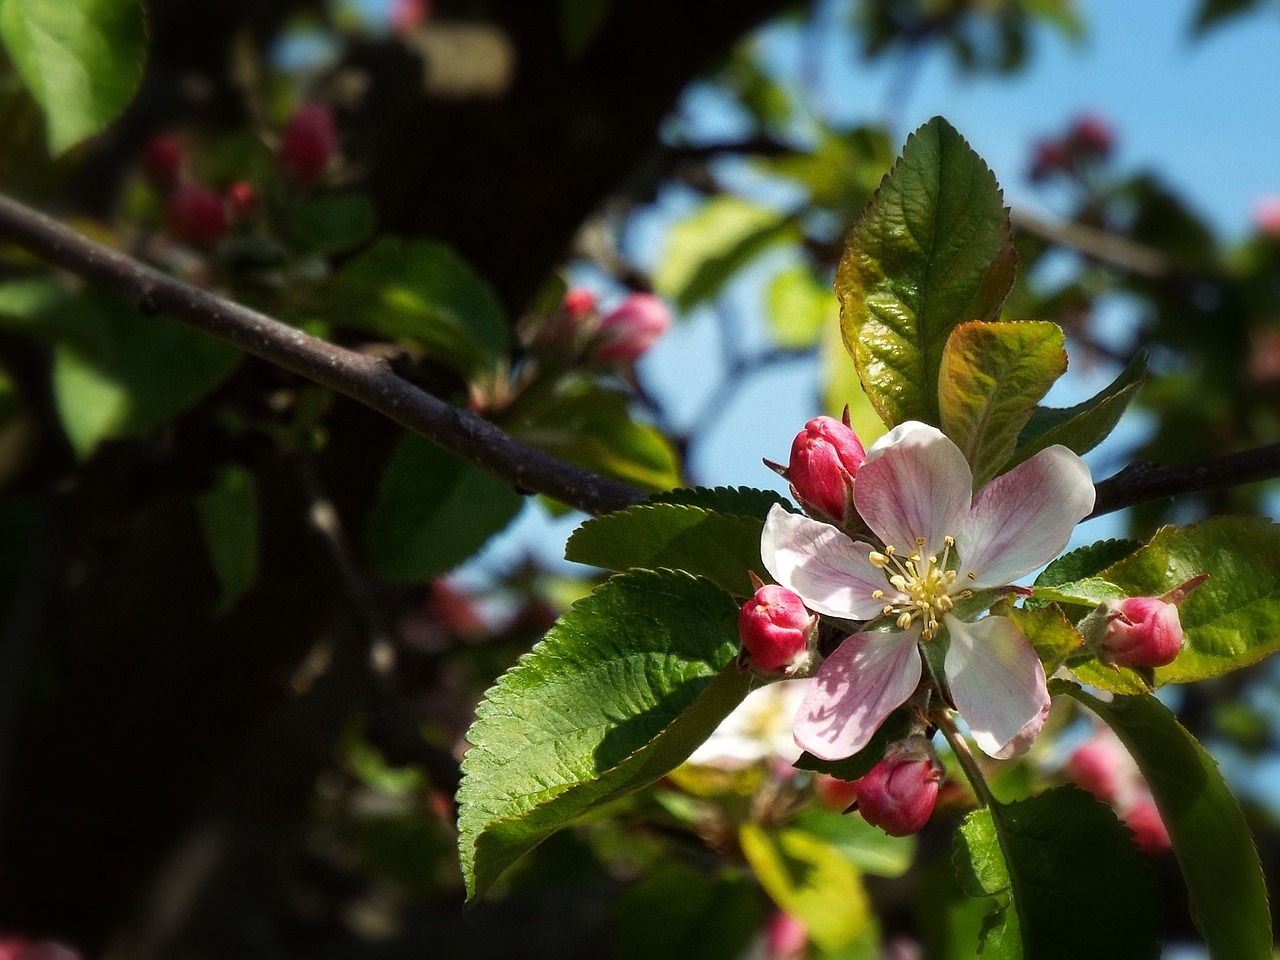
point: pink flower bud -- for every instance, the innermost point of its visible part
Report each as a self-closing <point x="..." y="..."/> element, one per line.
<point x="825" y="457"/>
<point x="626" y="333"/>
<point x="1098" y="766"/>
<point x="162" y="161"/>
<point x="1142" y="632"/>
<point x="1148" y="828"/>
<point x="784" y="937"/>
<point x="1266" y="216"/>
<point x="898" y="793"/>
<point x="775" y="628"/>
<point x="195" y="214"/>
<point x="308" y="142"/>
<point x="241" y="201"/>
<point x="1091" y="135"/>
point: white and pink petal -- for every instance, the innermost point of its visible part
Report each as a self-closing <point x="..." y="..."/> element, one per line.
<point x="914" y="483"/>
<point x="997" y="683"/>
<point x="1024" y="518"/>
<point x="860" y="684"/>
<point x="830" y="572"/>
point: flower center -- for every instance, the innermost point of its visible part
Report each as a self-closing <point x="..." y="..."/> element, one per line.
<point x="925" y="586"/>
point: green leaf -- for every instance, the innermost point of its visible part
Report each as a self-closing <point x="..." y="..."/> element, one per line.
<point x="432" y="511"/>
<point x="420" y="291"/>
<point x="1088" y="592"/>
<point x="868" y="848"/>
<point x="719" y="546"/>
<point x="739" y="501"/>
<point x="809" y="880"/>
<point x="1210" y="837"/>
<point x="1213" y="13"/>
<point x="1231" y="620"/>
<point x="81" y="60"/>
<point x="328" y="225"/>
<point x="1050" y="632"/>
<point x="580" y="21"/>
<point x="141" y="372"/>
<point x="590" y="425"/>
<point x="712" y="918"/>
<point x="1084" y="426"/>
<point x="229" y="519"/>
<point x="705" y="250"/>
<point x="1050" y="861"/>
<point x="622" y="690"/>
<point x="896" y="727"/>
<point x="991" y="378"/>
<point x="1085" y="562"/>
<point x="933" y="250"/>
<point x="799" y="308"/>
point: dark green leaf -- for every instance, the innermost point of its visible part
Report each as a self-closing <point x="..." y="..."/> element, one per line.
<point x="229" y="519"/>
<point x="992" y="377"/>
<point x="622" y="690"/>
<point x="1048" y="862"/>
<point x="932" y="251"/>
<point x="739" y="501"/>
<point x="676" y="913"/>
<point x="420" y="291"/>
<point x="589" y="425"/>
<point x="1210" y="836"/>
<point x="328" y="225"/>
<point x="1213" y="13"/>
<point x="809" y="880"/>
<point x="705" y="250"/>
<point x="1084" y="426"/>
<point x="719" y="546"/>
<point x="432" y="511"/>
<point x="1085" y="562"/>
<point x="141" y="372"/>
<point x="81" y="60"/>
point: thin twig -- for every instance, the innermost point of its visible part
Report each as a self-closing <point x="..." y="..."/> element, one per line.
<point x="366" y="379"/>
<point x="1096" y="245"/>
<point x="1143" y="482"/>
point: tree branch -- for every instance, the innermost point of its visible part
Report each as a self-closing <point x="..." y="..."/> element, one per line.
<point x="366" y="379"/>
<point x="1095" y="244"/>
<point x="1141" y="482"/>
<point x="371" y="382"/>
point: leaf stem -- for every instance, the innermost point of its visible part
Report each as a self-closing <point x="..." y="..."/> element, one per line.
<point x="967" y="761"/>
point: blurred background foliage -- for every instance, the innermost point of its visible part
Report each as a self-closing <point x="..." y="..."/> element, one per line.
<point x="234" y="676"/>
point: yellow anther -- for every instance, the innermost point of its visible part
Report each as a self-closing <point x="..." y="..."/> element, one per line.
<point x="967" y="594"/>
<point x="904" y="621"/>
<point x="878" y="559"/>
<point x="919" y="541"/>
<point x="888" y="609"/>
<point x="948" y="541"/>
<point x="971" y="575"/>
<point x="889" y="550"/>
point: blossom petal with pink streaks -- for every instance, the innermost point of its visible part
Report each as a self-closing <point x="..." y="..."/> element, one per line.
<point x="830" y="572"/>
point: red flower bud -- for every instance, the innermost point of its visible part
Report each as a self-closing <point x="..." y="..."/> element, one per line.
<point x="307" y="142"/>
<point x="195" y="214"/>
<point x="775" y="628"/>
<point x="1148" y="828"/>
<point x="579" y="302"/>
<point x="626" y="333"/>
<point x="825" y="457"/>
<point x="241" y="201"/>
<point x="1049" y="157"/>
<point x="898" y="793"/>
<point x="162" y="161"/>
<point x="1091" y="135"/>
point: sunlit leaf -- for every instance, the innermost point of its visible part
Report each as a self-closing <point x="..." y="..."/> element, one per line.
<point x="933" y="250"/>
<point x="622" y="690"/>
<point x="81" y="60"/>
<point x="1210" y="836"/>
<point x="992" y="377"/>
<point x="705" y="250"/>
<point x="800" y="308"/>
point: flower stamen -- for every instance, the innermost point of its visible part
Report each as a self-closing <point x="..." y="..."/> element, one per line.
<point x="923" y="585"/>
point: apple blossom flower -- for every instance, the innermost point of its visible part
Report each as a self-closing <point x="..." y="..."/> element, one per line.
<point x="758" y="729"/>
<point x="942" y="544"/>
<point x="776" y="629"/>
<point x="898" y="793"/>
